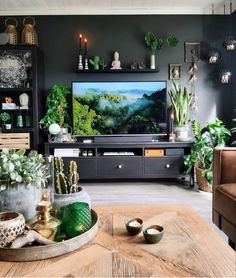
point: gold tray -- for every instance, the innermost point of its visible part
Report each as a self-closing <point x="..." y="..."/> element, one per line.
<point x="36" y="253"/>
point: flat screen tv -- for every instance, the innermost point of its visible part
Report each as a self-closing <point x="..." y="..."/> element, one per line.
<point x="117" y="108"/>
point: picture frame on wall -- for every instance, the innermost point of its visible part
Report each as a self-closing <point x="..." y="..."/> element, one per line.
<point x="175" y="71"/>
<point x="191" y="52"/>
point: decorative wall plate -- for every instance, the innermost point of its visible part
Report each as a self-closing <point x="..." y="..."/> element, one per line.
<point x="12" y="70"/>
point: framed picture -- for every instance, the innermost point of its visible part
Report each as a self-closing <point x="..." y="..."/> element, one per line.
<point x="191" y="52"/>
<point x="175" y="71"/>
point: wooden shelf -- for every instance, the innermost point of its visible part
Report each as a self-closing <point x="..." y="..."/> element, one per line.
<point x="119" y="71"/>
<point x="16" y="89"/>
<point x="18" y="130"/>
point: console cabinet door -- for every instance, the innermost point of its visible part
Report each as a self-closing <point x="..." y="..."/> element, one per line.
<point x="163" y="166"/>
<point x="86" y="166"/>
<point x="120" y="167"/>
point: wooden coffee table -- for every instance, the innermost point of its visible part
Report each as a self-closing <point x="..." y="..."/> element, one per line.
<point x="189" y="248"/>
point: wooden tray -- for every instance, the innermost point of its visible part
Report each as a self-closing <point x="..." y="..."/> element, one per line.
<point x="53" y="250"/>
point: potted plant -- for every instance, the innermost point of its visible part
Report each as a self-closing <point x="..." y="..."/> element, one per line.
<point x="5" y="117"/>
<point x="156" y="44"/>
<point x="22" y="178"/>
<point x="66" y="187"/>
<point x="180" y="99"/>
<point x="201" y="158"/>
<point x="56" y="105"/>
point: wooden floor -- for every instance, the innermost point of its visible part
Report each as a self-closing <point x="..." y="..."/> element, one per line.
<point x="151" y="192"/>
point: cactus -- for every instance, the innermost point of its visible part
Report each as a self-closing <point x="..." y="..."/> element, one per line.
<point x="96" y="62"/>
<point x="73" y="177"/>
<point x="65" y="183"/>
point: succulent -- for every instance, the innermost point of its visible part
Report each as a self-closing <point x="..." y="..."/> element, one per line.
<point x="172" y="41"/>
<point x="65" y="183"/>
<point x="17" y="167"/>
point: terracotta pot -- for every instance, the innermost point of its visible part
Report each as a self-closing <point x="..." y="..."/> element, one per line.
<point x="12" y="224"/>
<point x="202" y="182"/>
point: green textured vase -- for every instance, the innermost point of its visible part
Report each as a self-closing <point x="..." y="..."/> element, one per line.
<point x="77" y="219"/>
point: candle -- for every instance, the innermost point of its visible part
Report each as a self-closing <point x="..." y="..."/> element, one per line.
<point x="134" y="223"/>
<point x="85" y="48"/>
<point x="80" y="40"/>
<point x="153" y="231"/>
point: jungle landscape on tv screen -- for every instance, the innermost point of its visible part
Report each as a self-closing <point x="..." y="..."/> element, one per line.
<point x="103" y="108"/>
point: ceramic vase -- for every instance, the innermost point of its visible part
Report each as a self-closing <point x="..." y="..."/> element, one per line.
<point x="153" y="61"/>
<point x="181" y="133"/>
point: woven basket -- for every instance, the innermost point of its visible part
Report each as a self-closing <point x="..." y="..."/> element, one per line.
<point x="202" y="182"/>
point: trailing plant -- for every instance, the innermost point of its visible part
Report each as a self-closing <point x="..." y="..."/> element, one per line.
<point x="180" y="99"/>
<point x="17" y="167"/>
<point x="206" y="139"/>
<point x="66" y="183"/>
<point x="56" y="108"/>
<point x="233" y="130"/>
<point x="5" y="117"/>
<point x="156" y="43"/>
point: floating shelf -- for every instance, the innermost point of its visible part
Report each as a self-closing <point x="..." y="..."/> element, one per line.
<point x="119" y="71"/>
<point x="16" y="89"/>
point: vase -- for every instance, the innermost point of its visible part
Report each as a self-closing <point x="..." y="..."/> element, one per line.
<point x="153" y="61"/>
<point x="12" y="224"/>
<point x="21" y="198"/>
<point x="62" y="200"/>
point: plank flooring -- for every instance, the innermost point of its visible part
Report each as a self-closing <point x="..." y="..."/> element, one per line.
<point x="151" y="192"/>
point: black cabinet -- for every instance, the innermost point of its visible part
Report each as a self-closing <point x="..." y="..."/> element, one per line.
<point x="127" y="160"/>
<point x="21" y="73"/>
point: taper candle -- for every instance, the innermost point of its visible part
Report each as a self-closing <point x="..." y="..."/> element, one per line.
<point x="85" y="48"/>
<point x="80" y="41"/>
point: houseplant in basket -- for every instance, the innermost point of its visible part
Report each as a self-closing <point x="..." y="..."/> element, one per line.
<point x="66" y="187"/>
<point x="201" y="158"/>
<point x="22" y="178"/>
<point x="56" y="105"/>
<point x="180" y="99"/>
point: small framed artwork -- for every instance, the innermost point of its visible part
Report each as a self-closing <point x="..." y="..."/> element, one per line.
<point x="175" y="71"/>
<point x="191" y="52"/>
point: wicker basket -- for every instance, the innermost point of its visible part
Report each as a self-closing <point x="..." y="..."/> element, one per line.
<point x="202" y="182"/>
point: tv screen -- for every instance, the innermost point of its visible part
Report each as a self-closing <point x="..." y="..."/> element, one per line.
<point x="106" y="108"/>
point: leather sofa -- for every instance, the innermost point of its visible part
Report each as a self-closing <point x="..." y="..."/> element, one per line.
<point x="224" y="192"/>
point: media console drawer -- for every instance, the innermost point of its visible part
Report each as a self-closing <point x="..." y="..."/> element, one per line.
<point x="119" y="166"/>
<point x="163" y="166"/>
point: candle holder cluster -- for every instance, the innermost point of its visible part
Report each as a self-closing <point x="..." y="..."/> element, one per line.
<point x="82" y="65"/>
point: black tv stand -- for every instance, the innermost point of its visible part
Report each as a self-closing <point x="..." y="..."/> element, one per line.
<point x="127" y="160"/>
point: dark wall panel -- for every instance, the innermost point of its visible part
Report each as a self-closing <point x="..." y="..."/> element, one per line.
<point x="125" y="34"/>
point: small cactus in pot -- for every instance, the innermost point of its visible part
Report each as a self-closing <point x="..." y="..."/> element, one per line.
<point x="65" y="183"/>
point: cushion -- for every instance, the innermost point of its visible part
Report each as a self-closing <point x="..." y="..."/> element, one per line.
<point x="225" y="201"/>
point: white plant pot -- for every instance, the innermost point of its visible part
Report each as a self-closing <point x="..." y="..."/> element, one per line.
<point x="7" y="126"/>
<point x="61" y="200"/>
<point x="153" y="61"/>
<point x="181" y="133"/>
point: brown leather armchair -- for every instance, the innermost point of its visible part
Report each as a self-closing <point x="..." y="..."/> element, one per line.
<point x="224" y="192"/>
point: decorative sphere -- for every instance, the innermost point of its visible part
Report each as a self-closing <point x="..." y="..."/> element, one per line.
<point x="54" y="129"/>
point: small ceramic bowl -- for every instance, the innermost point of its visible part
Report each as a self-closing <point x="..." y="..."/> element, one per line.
<point x="134" y="226"/>
<point x="153" y="234"/>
